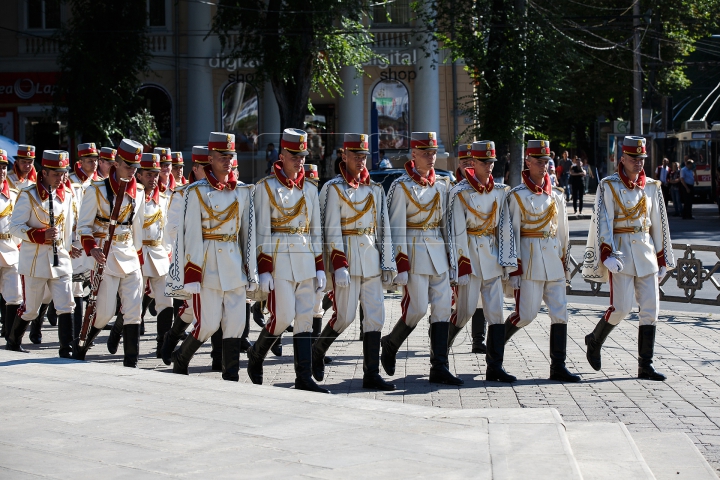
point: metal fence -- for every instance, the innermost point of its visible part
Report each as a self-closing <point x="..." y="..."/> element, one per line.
<point x="687" y="279"/>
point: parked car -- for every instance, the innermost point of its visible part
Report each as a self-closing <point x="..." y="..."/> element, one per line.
<point x="388" y="176"/>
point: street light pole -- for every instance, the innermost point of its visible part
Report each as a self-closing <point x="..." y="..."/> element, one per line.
<point x="637" y="126"/>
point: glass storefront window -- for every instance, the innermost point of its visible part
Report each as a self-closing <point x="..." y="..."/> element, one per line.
<point x="240" y="115"/>
<point x="393" y="105"/>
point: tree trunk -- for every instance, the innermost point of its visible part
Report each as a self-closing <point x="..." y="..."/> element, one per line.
<point x="517" y="159"/>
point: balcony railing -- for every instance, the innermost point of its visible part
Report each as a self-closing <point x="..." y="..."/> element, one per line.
<point x="39" y="46"/>
<point x="392" y="39"/>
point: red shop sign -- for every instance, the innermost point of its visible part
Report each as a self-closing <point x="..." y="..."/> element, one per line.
<point x="27" y="87"/>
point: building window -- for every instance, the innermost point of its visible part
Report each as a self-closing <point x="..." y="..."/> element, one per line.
<point x="240" y="115"/>
<point x="393" y="106"/>
<point x="156" y="13"/>
<point x="387" y="14"/>
<point x="43" y="14"/>
<point x="157" y="101"/>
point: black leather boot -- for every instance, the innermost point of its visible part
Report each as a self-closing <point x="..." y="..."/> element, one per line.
<point x="131" y="345"/>
<point x="646" y="347"/>
<point x="172" y="337"/>
<point x="182" y="356"/>
<point x="391" y="344"/>
<point x="151" y="308"/>
<point x="327" y="337"/>
<point x="478" y="331"/>
<point x="36" y="325"/>
<point x="164" y="324"/>
<point x="302" y="345"/>
<point x="231" y="359"/>
<point x="558" y="344"/>
<point x="52" y="315"/>
<point x="77" y="317"/>
<point x="216" y="342"/>
<point x="510" y="330"/>
<point x="113" y="341"/>
<point x="257" y="314"/>
<point x="3" y="317"/>
<point x="371" y="364"/>
<point x="439" y="365"/>
<point x="595" y="341"/>
<point x="326" y="302"/>
<point x="256" y="355"/>
<point x="316" y="328"/>
<point x="65" y="334"/>
<point x="453" y="331"/>
<point x="145" y="302"/>
<point x="276" y="349"/>
<point x="9" y="314"/>
<point x="495" y="354"/>
<point x="78" y="352"/>
<point x="244" y="342"/>
<point x="362" y="324"/>
<point x="17" y="331"/>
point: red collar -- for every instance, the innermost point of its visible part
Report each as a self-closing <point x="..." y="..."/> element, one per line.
<point x="81" y="173"/>
<point x="155" y="196"/>
<point x="629" y="183"/>
<point x="423" y="182"/>
<point x="535" y="188"/>
<point x="470" y="177"/>
<point x="282" y="178"/>
<point x="182" y="181"/>
<point x="32" y="176"/>
<point x="5" y="189"/>
<point x="459" y="174"/>
<point x="130" y="190"/>
<point x="364" y="177"/>
<point x="217" y="184"/>
<point x="43" y="192"/>
<point x="69" y="186"/>
<point x="170" y="185"/>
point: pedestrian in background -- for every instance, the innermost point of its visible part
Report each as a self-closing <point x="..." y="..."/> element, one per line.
<point x="661" y="173"/>
<point x="687" y="178"/>
<point x="588" y="174"/>
<point x="566" y="164"/>
<point x="553" y="177"/>
<point x="577" y="183"/>
<point x="673" y="179"/>
<point x="271" y="156"/>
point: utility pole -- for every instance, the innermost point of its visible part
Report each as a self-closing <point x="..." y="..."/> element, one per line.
<point x="637" y="126"/>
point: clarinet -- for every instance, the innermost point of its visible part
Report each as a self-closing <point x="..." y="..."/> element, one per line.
<point x="52" y="224"/>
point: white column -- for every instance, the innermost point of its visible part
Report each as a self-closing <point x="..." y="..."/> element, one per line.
<point x="201" y="101"/>
<point x="351" y="118"/>
<point x="426" y="97"/>
<point x="270" y="115"/>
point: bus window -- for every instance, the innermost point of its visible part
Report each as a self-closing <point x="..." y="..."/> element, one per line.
<point x="695" y="149"/>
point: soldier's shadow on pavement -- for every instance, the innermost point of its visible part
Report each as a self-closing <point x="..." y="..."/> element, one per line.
<point x="46" y="361"/>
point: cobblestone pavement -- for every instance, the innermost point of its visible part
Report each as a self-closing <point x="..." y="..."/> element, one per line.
<point x="687" y="350"/>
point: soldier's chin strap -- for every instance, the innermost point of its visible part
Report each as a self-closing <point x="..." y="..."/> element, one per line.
<point x="111" y="201"/>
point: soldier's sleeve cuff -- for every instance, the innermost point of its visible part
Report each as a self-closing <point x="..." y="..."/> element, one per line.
<point x="264" y="263"/>
<point x="319" y="264"/>
<point x="464" y="266"/>
<point x="193" y="273"/>
<point x="661" y="259"/>
<point x="403" y="262"/>
<point x="36" y="235"/>
<point x="519" y="270"/>
<point x="141" y="257"/>
<point x="88" y="243"/>
<point x="339" y="260"/>
<point x="605" y="251"/>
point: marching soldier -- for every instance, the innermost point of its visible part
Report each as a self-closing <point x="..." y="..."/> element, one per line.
<point x="629" y="246"/>
<point x="358" y="245"/>
<point x="466" y="161"/>
<point x="167" y="179"/>
<point x="85" y="169"/>
<point x="484" y="254"/>
<point x="178" y="164"/>
<point x="23" y="172"/>
<point x="122" y="274"/>
<point x="289" y="256"/>
<point x="539" y="221"/>
<point x="10" y="287"/>
<point x="217" y="252"/>
<point x="105" y="161"/>
<point x="417" y="205"/>
<point x="49" y="226"/>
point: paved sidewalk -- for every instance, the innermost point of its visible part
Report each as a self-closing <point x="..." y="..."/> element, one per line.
<point x="687" y="350"/>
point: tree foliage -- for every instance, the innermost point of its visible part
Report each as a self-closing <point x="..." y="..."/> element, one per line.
<point x="103" y="52"/>
<point x="297" y="45"/>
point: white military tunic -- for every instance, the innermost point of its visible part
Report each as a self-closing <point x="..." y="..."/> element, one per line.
<point x="80" y="182"/>
<point x="20" y="183"/>
<point x="155" y="248"/>
<point x="175" y="281"/>
<point x="10" y="287"/>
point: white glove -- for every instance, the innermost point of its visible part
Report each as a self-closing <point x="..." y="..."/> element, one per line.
<point x="515" y="282"/>
<point x="266" y="282"/>
<point x="386" y="277"/>
<point x="322" y="281"/>
<point x="613" y="264"/>
<point x="662" y="272"/>
<point x="464" y="280"/>
<point x="192" y="288"/>
<point x="506" y="274"/>
<point x="401" y="279"/>
<point x="342" y="277"/>
<point x="453" y="275"/>
<point x="251" y="287"/>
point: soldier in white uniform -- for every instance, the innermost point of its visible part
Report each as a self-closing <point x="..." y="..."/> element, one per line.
<point x="10" y="287"/>
<point x="123" y="272"/>
<point x="484" y="254"/>
<point x="417" y="204"/>
<point x="217" y="251"/>
<point x="23" y="173"/>
<point x="359" y="248"/>
<point x="289" y="256"/>
<point x="167" y="180"/>
<point x="32" y="224"/>
<point x="178" y="164"/>
<point x="629" y="246"/>
<point x="540" y="229"/>
<point x="105" y="161"/>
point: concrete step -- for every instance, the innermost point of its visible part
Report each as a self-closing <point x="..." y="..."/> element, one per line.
<point x="606" y="451"/>
<point x="673" y="455"/>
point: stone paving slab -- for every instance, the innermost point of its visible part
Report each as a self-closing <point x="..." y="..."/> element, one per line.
<point x="687" y="350"/>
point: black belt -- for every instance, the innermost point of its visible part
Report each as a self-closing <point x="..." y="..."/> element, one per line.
<point x="107" y="220"/>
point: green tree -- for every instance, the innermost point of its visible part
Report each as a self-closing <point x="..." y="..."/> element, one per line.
<point x="298" y="45"/>
<point x="103" y="53"/>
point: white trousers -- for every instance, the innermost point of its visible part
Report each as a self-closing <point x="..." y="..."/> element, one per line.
<point x="77" y="289"/>
<point x="291" y="301"/>
<point x="424" y="289"/>
<point x="130" y="289"/>
<point x="369" y="293"/>
<point x="186" y="311"/>
<point x="317" y="307"/>
<point x="626" y="288"/>
<point x="10" y="286"/>
<point x="531" y="295"/>
<point x="157" y="291"/>
<point x="466" y="302"/>
<point x="215" y="308"/>
<point x="34" y="291"/>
